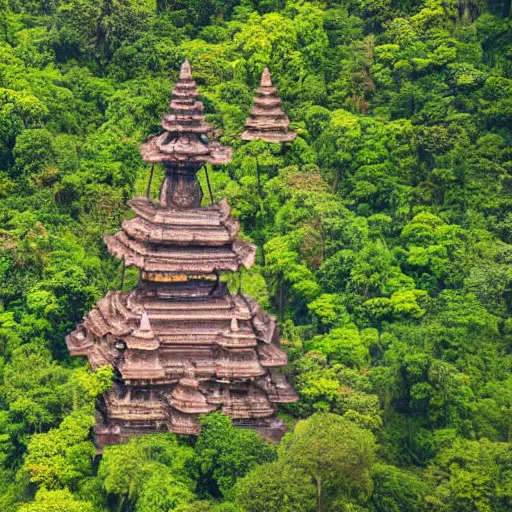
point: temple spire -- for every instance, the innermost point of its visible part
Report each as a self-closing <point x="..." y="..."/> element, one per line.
<point x="186" y="71"/>
<point x="144" y="331"/>
<point x="185" y="145"/>
<point x="266" y="79"/>
<point x="267" y="120"/>
<point x="186" y="136"/>
<point x="173" y="237"/>
<point x="144" y="322"/>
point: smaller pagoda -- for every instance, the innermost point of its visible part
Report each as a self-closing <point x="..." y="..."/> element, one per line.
<point x="267" y="120"/>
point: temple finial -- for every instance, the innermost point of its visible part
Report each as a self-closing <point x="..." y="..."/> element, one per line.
<point x="266" y="79"/>
<point x="186" y="71"/>
<point x="144" y="331"/>
<point x="144" y="322"/>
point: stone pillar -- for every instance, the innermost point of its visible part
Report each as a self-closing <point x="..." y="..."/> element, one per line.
<point x="180" y="188"/>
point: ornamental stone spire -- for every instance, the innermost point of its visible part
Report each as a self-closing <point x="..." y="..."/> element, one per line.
<point x="186" y="136"/>
<point x="267" y="120"/>
<point x="180" y="343"/>
<point x="184" y="146"/>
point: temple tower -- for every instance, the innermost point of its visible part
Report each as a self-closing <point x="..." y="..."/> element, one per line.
<point x="180" y="343"/>
<point x="267" y="120"/>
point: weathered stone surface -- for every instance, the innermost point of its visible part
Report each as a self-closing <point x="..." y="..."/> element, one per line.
<point x="186" y="351"/>
<point x="178" y="259"/>
<point x="198" y="240"/>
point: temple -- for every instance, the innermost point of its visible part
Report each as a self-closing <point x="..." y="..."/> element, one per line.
<point x="181" y="345"/>
<point x="267" y="120"/>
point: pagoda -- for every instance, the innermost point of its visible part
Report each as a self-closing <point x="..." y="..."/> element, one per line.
<point x="180" y="344"/>
<point x="267" y="120"/>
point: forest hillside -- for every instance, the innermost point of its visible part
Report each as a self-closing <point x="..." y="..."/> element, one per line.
<point x="384" y="236"/>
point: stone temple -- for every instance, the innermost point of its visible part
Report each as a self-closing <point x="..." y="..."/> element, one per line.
<point x="181" y="345"/>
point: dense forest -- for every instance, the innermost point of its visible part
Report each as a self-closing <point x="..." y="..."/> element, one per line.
<point x="384" y="238"/>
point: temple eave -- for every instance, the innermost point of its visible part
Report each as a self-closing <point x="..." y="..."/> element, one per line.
<point x="178" y="260"/>
<point x="144" y="231"/>
<point x="265" y="123"/>
<point x="269" y="136"/>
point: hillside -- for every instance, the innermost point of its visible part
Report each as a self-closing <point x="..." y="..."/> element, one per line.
<point x="384" y="236"/>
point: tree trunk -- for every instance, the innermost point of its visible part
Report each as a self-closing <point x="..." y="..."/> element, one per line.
<point x="318" y="495"/>
<point x="258" y="176"/>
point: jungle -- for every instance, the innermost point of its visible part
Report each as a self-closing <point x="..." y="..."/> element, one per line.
<point x="384" y="235"/>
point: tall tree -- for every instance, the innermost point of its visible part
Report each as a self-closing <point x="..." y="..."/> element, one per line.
<point x="335" y="453"/>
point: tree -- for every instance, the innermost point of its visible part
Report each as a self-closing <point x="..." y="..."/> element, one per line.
<point x="35" y="390"/>
<point x="397" y="490"/>
<point x="63" y="456"/>
<point x="56" y="501"/>
<point x="149" y="474"/>
<point x="274" y="487"/>
<point x="88" y="27"/>
<point x="163" y="492"/>
<point x="335" y="453"/>
<point x="225" y="453"/>
<point x="471" y="475"/>
<point x="34" y="151"/>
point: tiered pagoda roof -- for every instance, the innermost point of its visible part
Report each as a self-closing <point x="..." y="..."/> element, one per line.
<point x="170" y="325"/>
<point x="267" y="120"/>
<point x="171" y="241"/>
<point x="180" y="343"/>
<point x="185" y="139"/>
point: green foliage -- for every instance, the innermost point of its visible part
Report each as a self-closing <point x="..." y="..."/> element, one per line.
<point x="275" y="487"/>
<point x="396" y="490"/>
<point x="148" y="473"/>
<point x="225" y="453"/>
<point x="56" y="501"/>
<point x="471" y="475"/>
<point x="60" y="457"/>
<point x="384" y="237"/>
<point x="63" y="456"/>
<point x="335" y="453"/>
